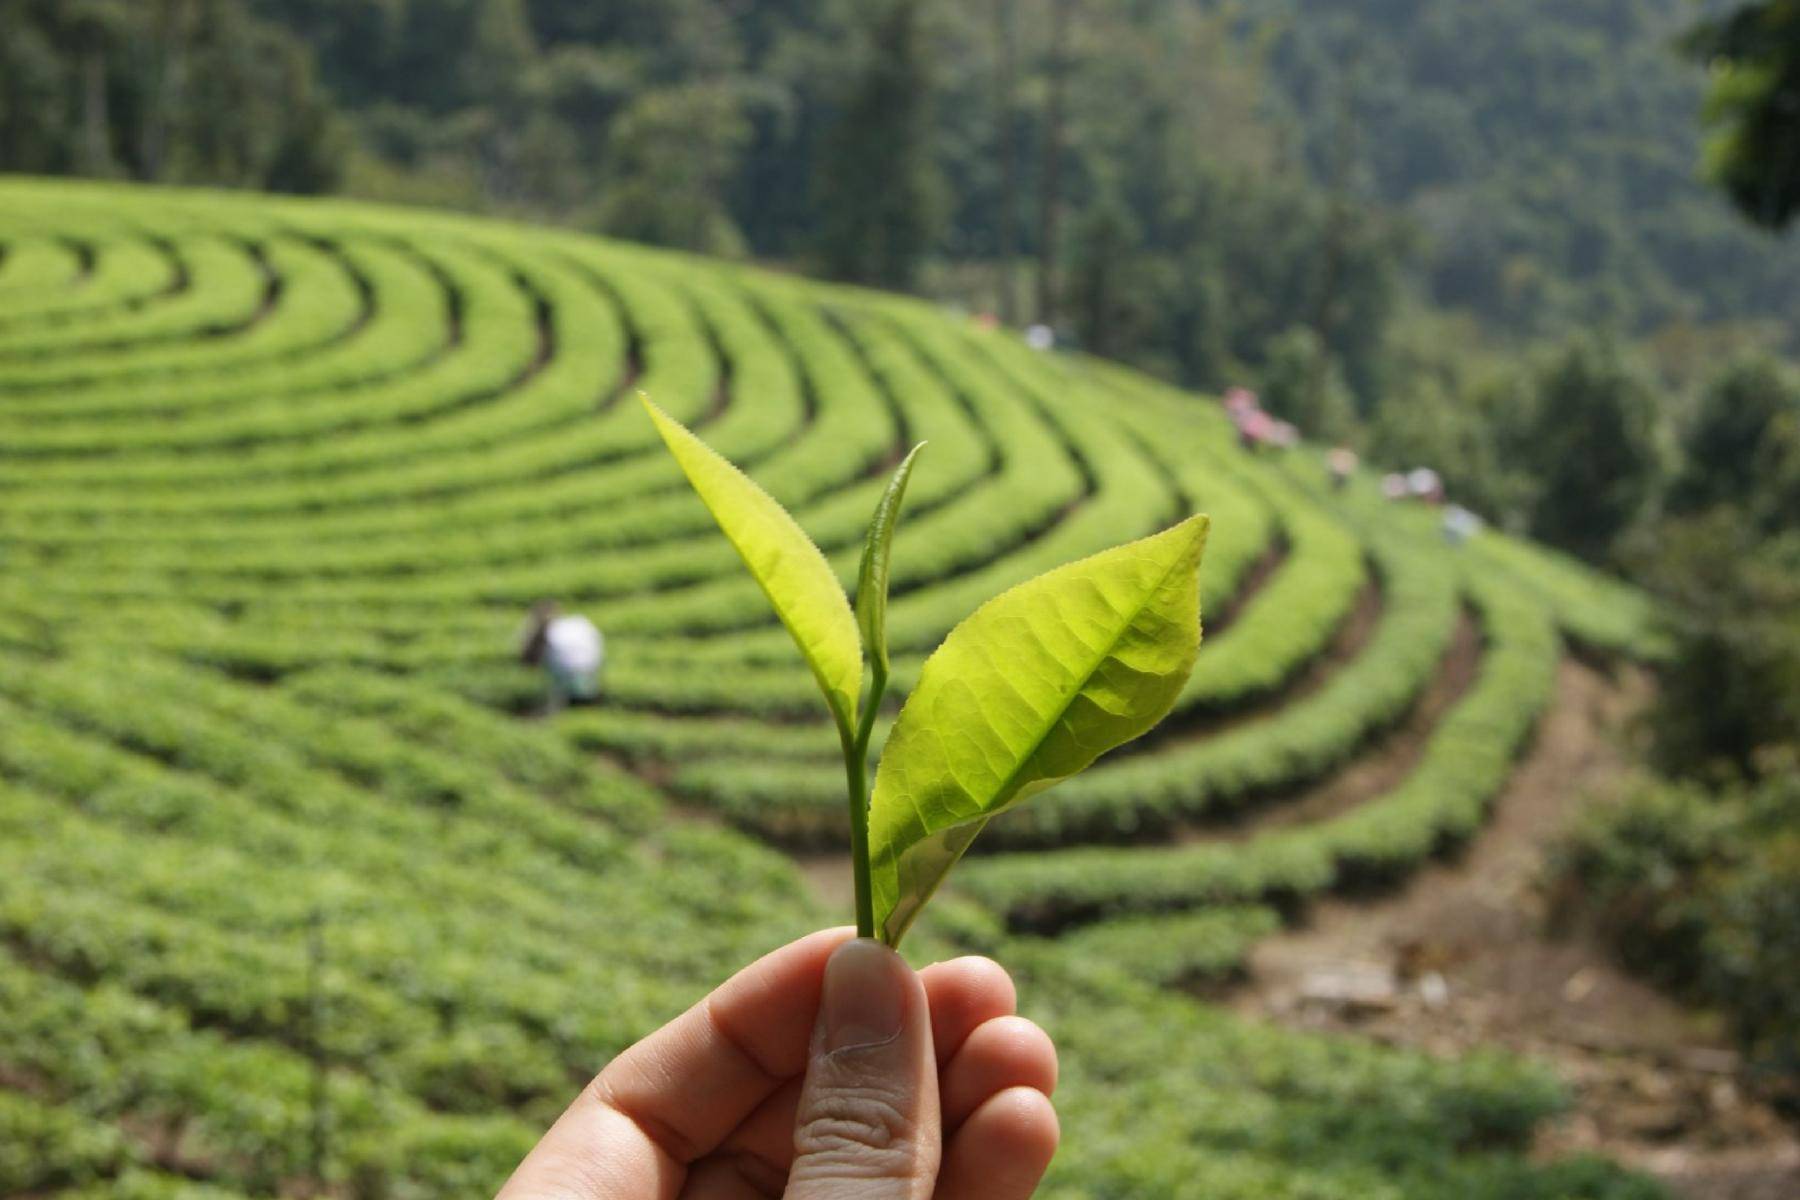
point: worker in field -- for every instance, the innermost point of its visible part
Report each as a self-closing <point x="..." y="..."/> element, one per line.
<point x="1425" y="484"/>
<point x="569" y="648"/>
<point x="1459" y="525"/>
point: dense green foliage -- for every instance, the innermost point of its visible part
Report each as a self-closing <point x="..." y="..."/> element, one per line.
<point x="200" y="91"/>
<point x="295" y="883"/>
<point x="1731" y="694"/>
<point x="1754" y="106"/>
<point x="876" y="192"/>
<point x="1696" y="876"/>
<point x="1548" y="150"/>
<point x="1743" y="447"/>
<point x="1589" y="434"/>
<point x="1701" y="892"/>
<point x="1195" y="187"/>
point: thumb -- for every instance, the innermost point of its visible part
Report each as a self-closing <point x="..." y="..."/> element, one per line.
<point x="867" y="1124"/>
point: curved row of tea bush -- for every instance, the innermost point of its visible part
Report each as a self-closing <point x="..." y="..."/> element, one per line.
<point x="133" y="269"/>
<point x="319" y="298"/>
<point x="1442" y="800"/>
<point x="1144" y="795"/>
<point x="324" y="332"/>
<point x="277" y="482"/>
<point x="39" y="266"/>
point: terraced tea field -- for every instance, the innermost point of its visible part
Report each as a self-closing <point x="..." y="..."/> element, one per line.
<point x="297" y="890"/>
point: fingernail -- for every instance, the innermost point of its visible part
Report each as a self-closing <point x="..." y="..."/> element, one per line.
<point x="864" y="1002"/>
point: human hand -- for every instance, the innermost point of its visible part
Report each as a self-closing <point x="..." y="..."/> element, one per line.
<point x="826" y="1070"/>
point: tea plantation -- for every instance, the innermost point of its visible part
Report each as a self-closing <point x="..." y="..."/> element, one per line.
<point x="298" y="893"/>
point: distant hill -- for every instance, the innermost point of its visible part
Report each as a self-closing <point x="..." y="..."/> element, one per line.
<point x="1546" y="150"/>
<point x="1540" y="156"/>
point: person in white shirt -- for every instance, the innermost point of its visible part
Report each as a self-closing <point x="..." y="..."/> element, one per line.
<point x="571" y="651"/>
<point x="1425" y="484"/>
<point x="1460" y="525"/>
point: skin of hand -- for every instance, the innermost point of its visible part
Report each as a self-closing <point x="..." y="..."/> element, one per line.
<point x="826" y="1070"/>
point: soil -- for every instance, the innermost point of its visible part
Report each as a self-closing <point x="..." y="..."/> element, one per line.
<point x="1458" y="958"/>
<point x="829" y="876"/>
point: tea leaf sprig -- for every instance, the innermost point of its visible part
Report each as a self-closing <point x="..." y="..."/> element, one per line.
<point x="1028" y="690"/>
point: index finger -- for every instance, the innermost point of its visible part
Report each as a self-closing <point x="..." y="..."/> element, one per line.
<point x="677" y="1094"/>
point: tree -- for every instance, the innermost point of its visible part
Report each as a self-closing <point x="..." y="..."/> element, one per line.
<point x="672" y="151"/>
<point x="1005" y="78"/>
<point x="1744" y="446"/>
<point x="1754" y="107"/>
<point x="1302" y="383"/>
<point x="1339" y="220"/>
<point x="199" y="91"/>
<point x="1730" y="697"/>
<point x="877" y="189"/>
<point x="1050" y="178"/>
<point x="98" y="27"/>
<point x="232" y="100"/>
<point x="1105" y="295"/>
<point x="1590" y="443"/>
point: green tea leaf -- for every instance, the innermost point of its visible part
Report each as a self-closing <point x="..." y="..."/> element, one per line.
<point x="1038" y="683"/>
<point x="785" y="563"/>
<point x="872" y="579"/>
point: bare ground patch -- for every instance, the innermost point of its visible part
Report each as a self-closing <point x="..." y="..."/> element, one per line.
<point x="1459" y="958"/>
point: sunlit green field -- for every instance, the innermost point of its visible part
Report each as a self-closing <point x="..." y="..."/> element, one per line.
<point x="295" y="881"/>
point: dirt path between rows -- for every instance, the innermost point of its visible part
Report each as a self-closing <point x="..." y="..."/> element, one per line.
<point x="1255" y="579"/>
<point x="1458" y="958"/>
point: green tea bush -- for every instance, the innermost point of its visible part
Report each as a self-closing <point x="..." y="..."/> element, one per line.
<point x="1208" y="946"/>
<point x="1443" y="800"/>
<point x="1700" y="891"/>
<point x="283" y="819"/>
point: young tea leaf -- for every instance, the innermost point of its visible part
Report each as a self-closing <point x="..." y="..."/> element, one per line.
<point x="872" y="579"/>
<point x="1033" y="687"/>
<point x="785" y="563"/>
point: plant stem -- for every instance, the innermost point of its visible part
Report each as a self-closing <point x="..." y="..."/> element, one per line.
<point x="856" y="770"/>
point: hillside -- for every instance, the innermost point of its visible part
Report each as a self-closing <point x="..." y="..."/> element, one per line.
<point x="294" y="880"/>
<point x="1546" y="152"/>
